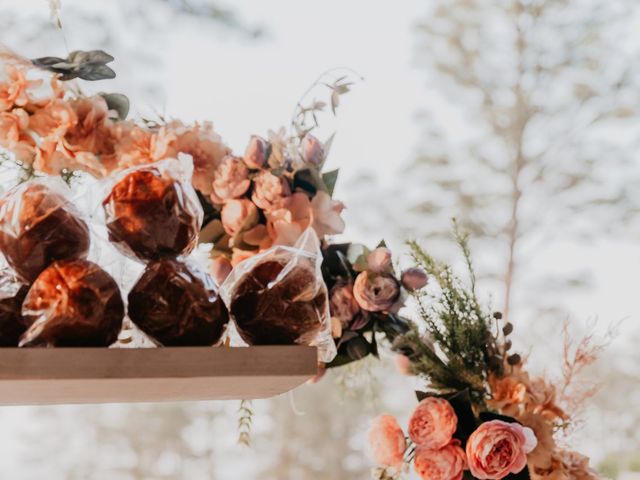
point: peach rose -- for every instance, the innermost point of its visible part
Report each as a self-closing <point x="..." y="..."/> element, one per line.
<point x="238" y="215"/>
<point x="433" y="423"/>
<point x="138" y="146"/>
<point x="379" y="260"/>
<point x="256" y="152"/>
<point x="205" y="147"/>
<point x="447" y="463"/>
<point x="220" y="269"/>
<point x="376" y="292"/>
<point x="387" y="441"/>
<point x="13" y="136"/>
<point x="14" y="91"/>
<point x="231" y="180"/>
<point x="326" y="214"/>
<point x="269" y="190"/>
<point x="286" y="224"/>
<point x="414" y="279"/>
<point x="313" y="150"/>
<point x="343" y="304"/>
<point x="498" y="448"/>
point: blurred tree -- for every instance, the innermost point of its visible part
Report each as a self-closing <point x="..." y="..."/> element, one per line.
<point x="539" y="140"/>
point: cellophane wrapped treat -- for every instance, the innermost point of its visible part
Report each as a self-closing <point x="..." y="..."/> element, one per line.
<point x="176" y="304"/>
<point x="278" y="297"/>
<point x="12" y="293"/>
<point x="153" y="212"/>
<point x="72" y="303"/>
<point x="39" y="225"/>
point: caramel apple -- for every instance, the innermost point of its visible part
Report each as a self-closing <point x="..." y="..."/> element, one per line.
<point x="72" y="303"/>
<point x="175" y="304"/>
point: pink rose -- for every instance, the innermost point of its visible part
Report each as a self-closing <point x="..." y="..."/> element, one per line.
<point x="379" y="260"/>
<point x="433" y="423"/>
<point x="326" y="214"/>
<point x="387" y="441"/>
<point x="498" y="448"/>
<point x="286" y="224"/>
<point x="269" y="190"/>
<point x="238" y="216"/>
<point x="313" y="150"/>
<point x="376" y="292"/>
<point x="256" y="153"/>
<point x="343" y="304"/>
<point x="231" y="180"/>
<point x="220" y="269"/>
<point x="414" y="279"/>
<point x="447" y="463"/>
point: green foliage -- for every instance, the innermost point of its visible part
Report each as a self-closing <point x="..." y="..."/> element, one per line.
<point x="245" y="421"/>
<point x="457" y="349"/>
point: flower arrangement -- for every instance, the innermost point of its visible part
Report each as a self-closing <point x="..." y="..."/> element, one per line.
<point x="482" y="415"/>
<point x="267" y="196"/>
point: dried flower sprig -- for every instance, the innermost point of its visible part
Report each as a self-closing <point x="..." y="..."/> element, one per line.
<point x="245" y="422"/>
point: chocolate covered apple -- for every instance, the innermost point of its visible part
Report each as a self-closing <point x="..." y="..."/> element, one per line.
<point x="150" y="214"/>
<point x="72" y="303"/>
<point x="11" y="324"/>
<point x="279" y="301"/>
<point x="175" y="304"/>
<point x="39" y="226"/>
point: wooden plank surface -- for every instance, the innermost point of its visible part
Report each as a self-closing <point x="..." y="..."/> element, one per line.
<point x="35" y="376"/>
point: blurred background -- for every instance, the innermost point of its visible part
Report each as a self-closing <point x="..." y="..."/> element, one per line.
<point x="519" y="117"/>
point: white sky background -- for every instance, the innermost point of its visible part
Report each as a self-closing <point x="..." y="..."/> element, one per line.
<point x="247" y="87"/>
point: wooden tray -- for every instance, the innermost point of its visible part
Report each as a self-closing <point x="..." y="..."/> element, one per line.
<point x="34" y="376"/>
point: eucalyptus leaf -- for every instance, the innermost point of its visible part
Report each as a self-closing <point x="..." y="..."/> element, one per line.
<point x="90" y="65"/>
<point x="330" y="179"/>
<point x="92" y="56"/>
<point x="117" y="102"/>
<point x="92" y="72"/>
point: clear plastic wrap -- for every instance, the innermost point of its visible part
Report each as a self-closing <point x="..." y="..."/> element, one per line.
<point x="39" y="225"/>
<point x="152" y="211"/>
<point x="72" y="303"/>
<point x="177" y="304"/>
<point x="278" y="297"/>
<point x="12" y="293"/>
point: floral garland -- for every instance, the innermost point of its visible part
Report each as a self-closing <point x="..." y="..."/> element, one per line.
<point x="482" y="415"/>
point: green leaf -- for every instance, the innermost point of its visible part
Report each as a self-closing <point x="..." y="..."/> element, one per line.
<point x="117" y="102"/>
<point x="330" y="179"/>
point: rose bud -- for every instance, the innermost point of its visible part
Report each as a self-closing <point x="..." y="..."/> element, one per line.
<point x="231" y="180"/>
<point x="269" y="190"/>
<point x="238" y="216"/>
<point x="433" y="423"/>
<point x="379" y="260"/>
<point x="447" y="463"/>
<point x="387" y="441"/>
<point x="376" y="292"/>
<point x="497" y="449"/>
<point x="414" y="279"/>
<point x="313" y="150"/>
<point x="343" y="304"/>
<point x="256" y="152"/>
<point x="220" y="269"/>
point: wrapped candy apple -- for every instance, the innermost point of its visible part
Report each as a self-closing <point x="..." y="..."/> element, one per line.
<point x="39" y="225"/>
<point x="72" y="303"/>
<point x="12" y="295"/>
<point x="279" y="298"/>
<point x="178" y="305"/>
<point x="153" y="211"/>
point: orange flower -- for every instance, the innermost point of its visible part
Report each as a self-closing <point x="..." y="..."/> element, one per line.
<point x="140" y="145"/>
<point x="238" y="216"/>
<point x="387" y="441"/>
<point x="447" y="463"/>
<point x="14" y="92"/>
<point x="53" y="121"/>
<point x="286" y="224"/>
<point x="565" y="465"/>
<point x="231" y="180"/>
<point x="205" y="147"/>
<point x="13" y="136"/>
<point x="433" y="423"/>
